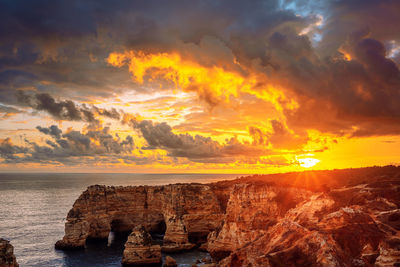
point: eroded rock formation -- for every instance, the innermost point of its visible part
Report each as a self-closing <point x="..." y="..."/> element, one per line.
<point x="140" y="249"/>
<point x="251" y="210"/>
<point x="337" y="218"/>
<point x="185" y="212"/>
<point x="348" y="226"/>
<point x="7" y="258"/>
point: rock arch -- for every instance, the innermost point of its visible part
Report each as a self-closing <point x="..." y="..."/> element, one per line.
<point x="184" y="212"/>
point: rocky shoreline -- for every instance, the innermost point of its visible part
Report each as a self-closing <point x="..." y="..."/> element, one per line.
<point x="7" y="257"/>
<point x="325" y="218"/>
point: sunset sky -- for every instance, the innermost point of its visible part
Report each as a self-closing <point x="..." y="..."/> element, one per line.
<point x="198" y="86"/>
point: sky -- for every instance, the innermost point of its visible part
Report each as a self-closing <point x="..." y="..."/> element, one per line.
<point x="206" y="86"/>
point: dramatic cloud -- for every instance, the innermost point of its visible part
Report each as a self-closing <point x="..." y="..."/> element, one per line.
<point x="229" y="82"/>
<point x="70" y="147"/>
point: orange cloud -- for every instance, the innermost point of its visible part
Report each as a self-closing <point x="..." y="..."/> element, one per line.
<point x="212" y="84"/>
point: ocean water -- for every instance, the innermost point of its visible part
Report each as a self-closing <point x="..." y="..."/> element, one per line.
<point x="33" y="208"/>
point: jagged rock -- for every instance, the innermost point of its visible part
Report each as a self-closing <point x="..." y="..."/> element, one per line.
<point x="140" y="250"/>
<point x="389" y="253"/>
<point x="7" y="258"/>
<point x="169" y="262"/>
<point x="328" y="230"/>
<point x="251" y="210"/>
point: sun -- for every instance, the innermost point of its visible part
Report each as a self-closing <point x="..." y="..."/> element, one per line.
<point x="308" y="162"/>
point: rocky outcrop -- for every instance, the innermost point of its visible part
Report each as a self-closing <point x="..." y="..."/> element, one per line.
<point x="349" y="226"/>
<point x="251" y="210"/>
<point x="336" y="218"/>
<point x="7" y="258"/>
<point x="185" y="212"/>
<point x="140" y="250"/>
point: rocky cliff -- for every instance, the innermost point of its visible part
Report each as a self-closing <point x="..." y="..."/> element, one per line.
<point x="349" y="226"/>
<point x="7" y="258"/>
<point x="336" y="218"/>
<point x="186" y="213"/>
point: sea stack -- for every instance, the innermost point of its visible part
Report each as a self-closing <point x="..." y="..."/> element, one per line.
<point x="7" y="258"/>
<point x="140" y="249"/>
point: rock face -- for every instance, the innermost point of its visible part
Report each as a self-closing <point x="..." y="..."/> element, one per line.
<point x="251" y="210"/>
<point x="349" y="226"/>
<point x="330" y="218"/>
<point x="140" y="249"/>
<point x="185" y="212"/>
<point x="7" y="258"/>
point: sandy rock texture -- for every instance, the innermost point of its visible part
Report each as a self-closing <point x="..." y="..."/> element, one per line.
<point x="140" y="250"/>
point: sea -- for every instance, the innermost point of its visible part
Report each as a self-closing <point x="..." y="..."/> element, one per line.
<point x="33" y="208"/>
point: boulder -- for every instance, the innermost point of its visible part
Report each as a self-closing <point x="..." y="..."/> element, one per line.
<point x="169" y="262"/>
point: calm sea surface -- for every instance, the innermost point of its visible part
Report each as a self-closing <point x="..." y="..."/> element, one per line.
<point x="33" y="208"/>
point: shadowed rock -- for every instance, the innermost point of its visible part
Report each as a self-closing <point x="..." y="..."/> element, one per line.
<point x="140" y="250"/>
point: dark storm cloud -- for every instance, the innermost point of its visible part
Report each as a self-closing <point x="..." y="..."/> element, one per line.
<point x="64" y="109"/>
<point x="52" y="131"/>
<point x="344" y="17"/>
<point x="60" y="46"/>
<point x="346" y="92"/>
<point x="65" y="42"/>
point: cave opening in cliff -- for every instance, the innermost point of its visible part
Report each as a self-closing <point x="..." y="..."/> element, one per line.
<point x="158" y="231"/>
<point x="198" y="238"/>
<point x="119" y="232"/>
<point x="121" y="226"/>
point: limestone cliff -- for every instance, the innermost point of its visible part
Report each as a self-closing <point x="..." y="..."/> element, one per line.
<point x="251" y="210"/>
<point x="7" y="258"/>
<point x="348" y="226"/>
<point x="336" y="218"/>
<point x="185" y="212"/>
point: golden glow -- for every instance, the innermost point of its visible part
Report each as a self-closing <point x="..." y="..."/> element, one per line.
<point x="241" y="99"/>
<point x="213" y="83"/>
<point x="345" y="54"/>
<point x="308" y="162"/>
